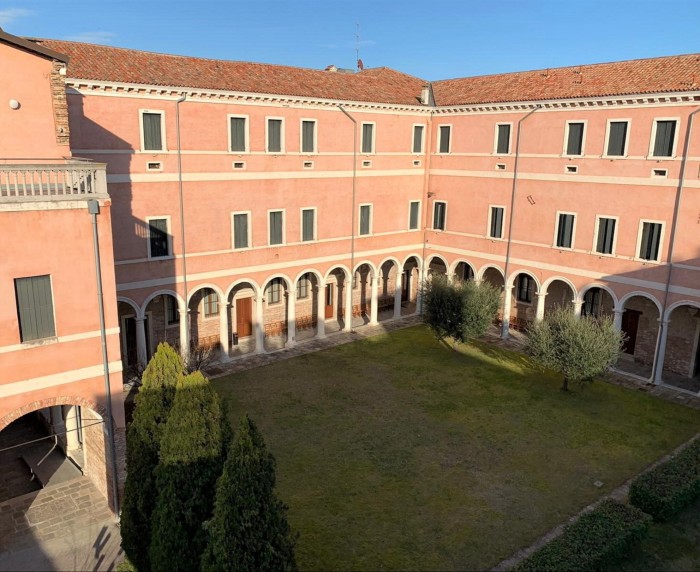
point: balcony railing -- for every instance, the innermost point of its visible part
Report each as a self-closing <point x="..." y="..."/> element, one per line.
<point x="49" y="181"/>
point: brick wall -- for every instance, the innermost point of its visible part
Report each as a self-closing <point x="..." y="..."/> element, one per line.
<point x="647" y="331"/>
<point x="60" y="105"/>
<point x="681" y="341"/>
<point x="158" y="330"/>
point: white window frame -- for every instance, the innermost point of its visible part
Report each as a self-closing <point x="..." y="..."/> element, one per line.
<point x="573" y="230"/>
<point x="607" y="138"/>
<point x="433" y="217"/>
<point x="422" y="138"/>
<point x="168" y="323"/>
<point x="284" y="226"/>
<point x="163" y="138"/>
<point x="420" y="206"/>
<point x="218" y="305"/>
<point x="652" y="140"/>
<point x="510" y="139"/>
<point x="248" y="214"/>
<point x="301" y="136"/>
<point x="267" y="135"/>
<point x="371" y="219"/>
<point x="659" y="257"/>
<point x="301" y="224"/>
<point x="374" y="137"/>
<point x="595" y="235"/>
<point x="503" y="222"/>
<point x="439" y="139"/>
<point x="583" y="137"/>
<point x="268" y="291"/>
<point x="246" y="131"/>
<point x="148" y="220"/>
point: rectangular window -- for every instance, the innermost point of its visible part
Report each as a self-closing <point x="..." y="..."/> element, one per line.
<point x="158" y="239"/>
<point x="274" y="135"/>
<point x="565" y="230"/>
<point x="503" y="139"/>
<point x="365" y="219"/>
<point x="444" y="138"/>
<point x="439" y="215"/>
<point x="274" y="291"/>
<point x="34" y="308"/>
<point x="239" y="139"/>
<point x="413" y="215"/>
<point x="368" y="137"/>
<point x="172" y="315"/>
<point x="650" y="241"/>
<point x="574" y="139"/>
<point x="524" y="290"/>
<point x="276" y="227"/>
<point x="210" y="303"/>
<point x="496" y="222"/>
<point x="152" y="126"/>
<point x="308" y="136"/>
<point x="303" y="287"/>
<point x="664" y="138"/>
<point x="617" y="138"/>
<point x="308" y="224"/>
<point x="605" y="242"/>
<point x="418" y="138"/>
<point x="241" y="231"/>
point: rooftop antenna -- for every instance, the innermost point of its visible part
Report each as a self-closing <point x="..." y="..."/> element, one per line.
<point x="360" y="65"/>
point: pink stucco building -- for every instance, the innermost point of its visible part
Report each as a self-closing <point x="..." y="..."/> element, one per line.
<point x="257" y="206"/>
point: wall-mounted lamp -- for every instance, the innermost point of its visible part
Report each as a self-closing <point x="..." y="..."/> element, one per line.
<point x="14" y="104"/>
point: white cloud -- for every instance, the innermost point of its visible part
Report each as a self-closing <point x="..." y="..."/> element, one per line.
<point x="92" y="37"/>
<point x="9" y="15"/>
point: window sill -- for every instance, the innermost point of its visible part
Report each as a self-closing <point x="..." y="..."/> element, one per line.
<point x="41" y="342"/>
<point x="156" y="258"/>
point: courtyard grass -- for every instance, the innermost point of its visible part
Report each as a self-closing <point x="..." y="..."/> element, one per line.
<point x="397" y="452"/>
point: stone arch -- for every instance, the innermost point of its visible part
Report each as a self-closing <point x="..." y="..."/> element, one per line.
<point x="276" y="312"/>
<point x="161" y="328"/>
<point x="130" y="302"/>
<point x="482" y="271"/>
<point x="514" y="275"/>
<point x="626" y="298"/>
<point x="180" y="302"/>
<point x="418" y="258"/>
<point x="672" y="307"/>
<point x="332" y="269"/>
<point x="678" y="362"/>
<point x="455" y="269"/>
<point x="50" y="402"/>
<point x="434" y="263"/>
<point x="640" y="321"/>
<point x="547" y="283"/>
<point x="605" y="287"/>
<point x="251" y="282"/>
<point x="211" y="286"/>
<point x="204" y="331"/>
<point x="242" y="318"/>
<point x="371" y="266"/>
<point x="309" y="315"/>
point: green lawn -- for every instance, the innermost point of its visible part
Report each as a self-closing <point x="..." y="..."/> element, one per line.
<point x="396" y="452"/>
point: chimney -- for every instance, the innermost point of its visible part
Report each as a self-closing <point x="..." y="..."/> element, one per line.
<point x="425" y="95"/>
<point x="331" y="68"/>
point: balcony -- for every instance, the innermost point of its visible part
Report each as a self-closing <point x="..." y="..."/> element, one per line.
<point x="52" y="181"/>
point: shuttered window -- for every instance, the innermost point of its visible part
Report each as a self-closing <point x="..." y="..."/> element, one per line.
<point x="365" y="219"/>
<point x="413" y="215"/>
<point x="444" y="144"/>
<point x="152" y="131"/>
<point x="274" y="135"/>
<point x="439" y="212"/>
<point x="565" y="231"/>
<point x="606" y="235"/>
<point x="303" y="287"/>
<point x="308" y="142"/>
<point x="34" y="308"/>
<point x="274" y="291"/>
<point x="574" y="142"/>
<point x="238" y="142"/>
<point x="651" y="241"/>
<point x="276" y="227"/>
<point x="240" y="230"/>
<point x="158" y="237"/>
<point x="418" y="138"/>
<point x="307" y="224"/>
<point x="503" y="143"/>
<point x="617" y="138"/>
<point x="665" y="136"/>
<point x="211" y="303"/>
<point x="496" y="226"/>
<point x="368" y="138"/>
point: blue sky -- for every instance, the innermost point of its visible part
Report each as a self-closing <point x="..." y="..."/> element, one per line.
<point x="432" y="39"/>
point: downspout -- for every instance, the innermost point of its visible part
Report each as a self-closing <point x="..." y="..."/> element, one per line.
<point x="426" y="186"/>
<point x="354" y="192"/>
<point x="672" y="242"/>
<point x="94" y="210"/>
<point x="506" y="323"/>
<point x="183" y="351"/>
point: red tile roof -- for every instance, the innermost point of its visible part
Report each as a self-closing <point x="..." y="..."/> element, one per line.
<point x="654" y="75"/>
<point x="110" y="64"/>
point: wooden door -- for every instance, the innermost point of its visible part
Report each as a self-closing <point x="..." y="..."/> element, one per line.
<point x="244" y="317"/>
<point x="329" y="301"/>
<point x="630" y="324"/>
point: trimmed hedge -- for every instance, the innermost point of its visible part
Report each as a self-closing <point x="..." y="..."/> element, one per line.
<point x="669" y="488"/>
<point x="596" y="541"/>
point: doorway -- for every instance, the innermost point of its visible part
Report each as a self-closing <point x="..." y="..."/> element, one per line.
<point x="244" y="317"/>
<point x="328" y="312"/>
<point x="131" y="356"/>
<point x="630" y="325"/>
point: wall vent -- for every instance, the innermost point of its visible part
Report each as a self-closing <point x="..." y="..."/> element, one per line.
<point x="500" y="166"/>
<point x="572" y="168"/>
<point x="239" y="164"/>
<point x="659" y="173"/>
<point x="154" y="166"/>
<point x="416" y="163"/>
<point x="308" y="164"/>
<point x="366" y="164"/>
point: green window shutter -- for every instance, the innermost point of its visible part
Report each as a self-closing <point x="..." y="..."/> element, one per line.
<point x="665" y="133"/>
<point x="35" y="308"/>
<point x="574" y="144"/>
<point x="445" y="132"/>
<point x="307" y="136"/>
<point x="496" y="222"/>
<point x="413" y="217"/>
<point x="158" y="237"/>
<point x="606" y="235"/>
<point x="238" y="134"/>
<point x="274" y="135"/>
<point x="417" y="138"/>
<point x="617" y="138"/>
<point x="365" y="212"/>
<point x="565" y="231"/>
<point x="152" y="136"/>
<point x="240" y="231"/>
<point x="367" y="134"/>
<point x="651" y="240"/>
<point x="276" y="227"/>
<point x="307" y="221"/>
<point x="503" y="144"/>
<point x="439" y="216"/>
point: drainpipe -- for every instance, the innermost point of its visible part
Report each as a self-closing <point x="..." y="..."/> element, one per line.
<point x="354" y="192"/>
<point x="183" y="351"/>
<point x="663" y="327"/>
<point x="94" y="210"/>
<point x="506" y="323"/>
<point x="430" y="100"/>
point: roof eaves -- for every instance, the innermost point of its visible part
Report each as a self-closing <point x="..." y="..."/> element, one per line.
<point x="32" y="47"/>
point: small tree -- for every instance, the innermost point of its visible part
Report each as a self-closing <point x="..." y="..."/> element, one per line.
<point x="153" y="404"/>
<point x="461" y="310"/>
<point x="249" y="529"/>
<point x="191" y="458"/>
<point x="578" y="348"/>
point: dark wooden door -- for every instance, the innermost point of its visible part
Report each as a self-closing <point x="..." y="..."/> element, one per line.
<point x="244" y="317"/>
<point x="630" y="324"/>
<point x="329" y="301"/>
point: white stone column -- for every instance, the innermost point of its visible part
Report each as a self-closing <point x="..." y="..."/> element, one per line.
<point x="223" y="329"/>
<point x="348" y="305"/>
<point x="419" y="292"/>
<point x="397" y="294"/>
<point x="259" y="325"/>
<point x="70" y="414"/>
<point x="321" y="309"/>
<point x="661" y="354"/>
<point x="374" y="301"/>
<point x="539" y="309"/>
<point x="617" y="320"/>
<point x="291" y="317"/>
<point x="141" y="353"/>
<point x="507" y="302"/>
<point x="184" y="331"/>
<point x="577" y="305"/>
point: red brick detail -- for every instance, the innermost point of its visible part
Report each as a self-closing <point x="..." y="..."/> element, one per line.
<point x="60" y="104"/>
<point x="50" y="402"/>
